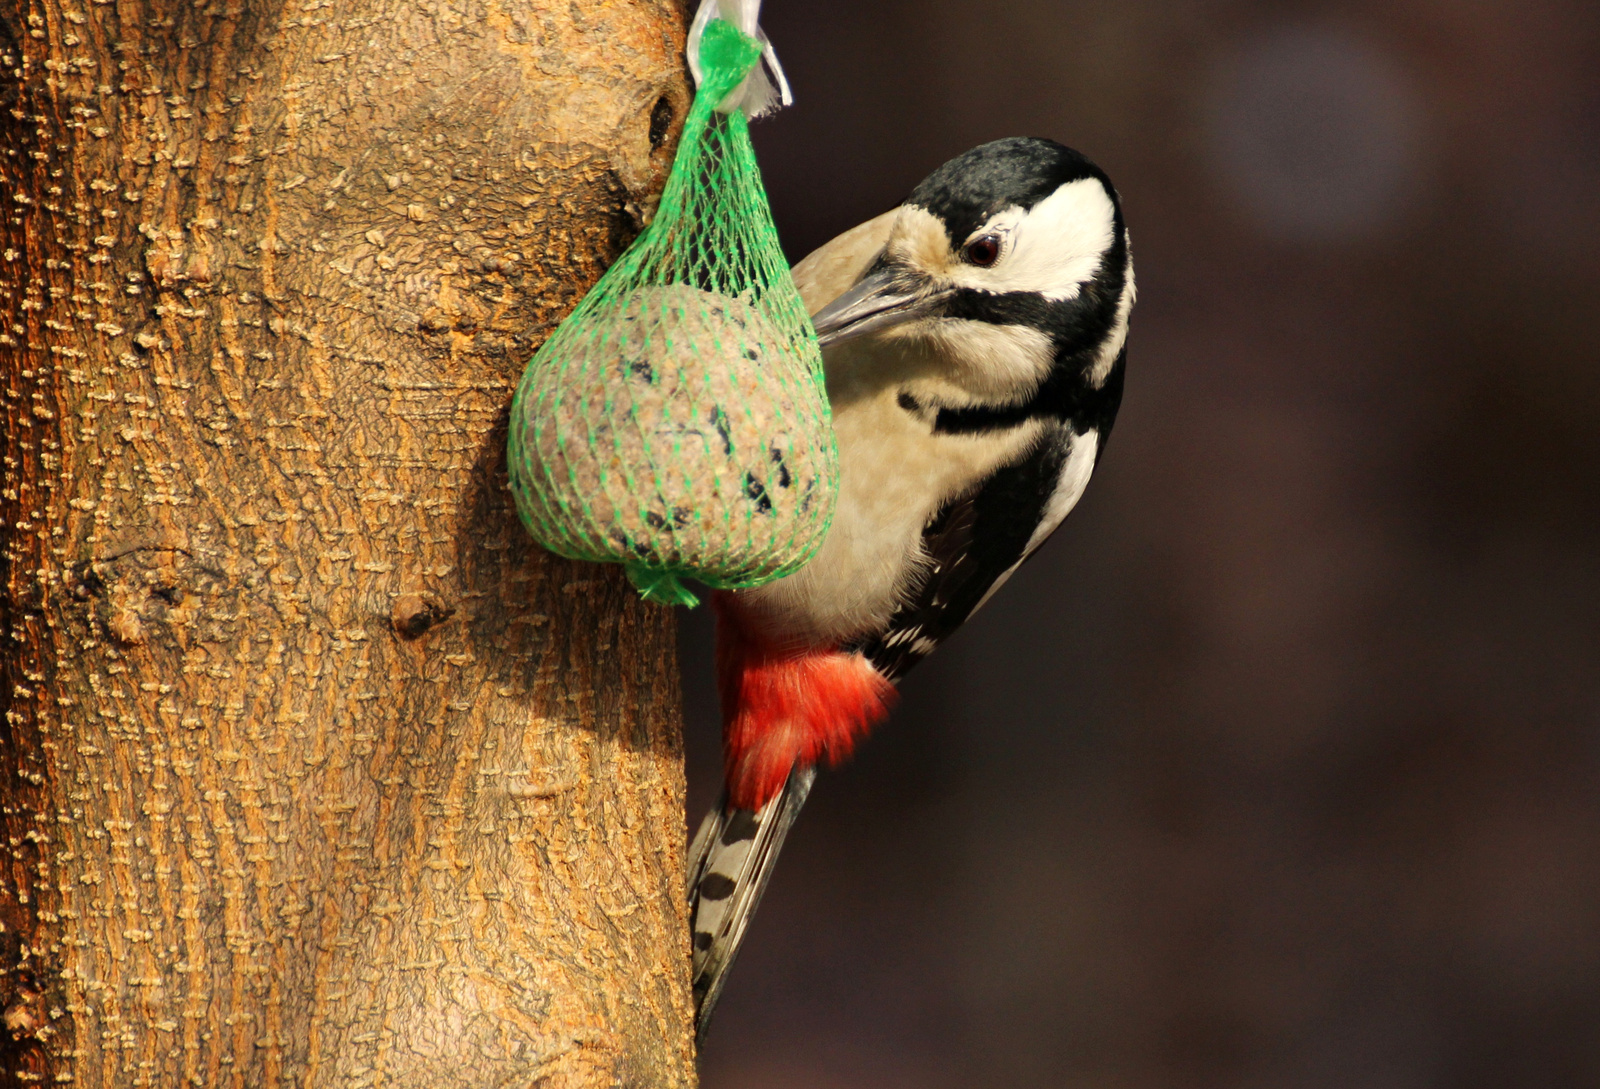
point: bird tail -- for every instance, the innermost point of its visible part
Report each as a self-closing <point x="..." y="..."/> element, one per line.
<point x="730" y="863"/>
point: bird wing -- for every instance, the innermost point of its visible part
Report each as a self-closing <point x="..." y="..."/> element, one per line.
<point x="975" y="543"/>
<point x="834" y="267"/>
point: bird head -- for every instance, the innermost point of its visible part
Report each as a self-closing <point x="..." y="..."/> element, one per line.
<point x="1011" y="256"/>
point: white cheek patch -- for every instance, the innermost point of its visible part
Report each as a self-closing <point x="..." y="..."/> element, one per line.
<point x="1051" y="248"/>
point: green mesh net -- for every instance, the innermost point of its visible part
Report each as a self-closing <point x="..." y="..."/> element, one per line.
<point x="676" y="422"/>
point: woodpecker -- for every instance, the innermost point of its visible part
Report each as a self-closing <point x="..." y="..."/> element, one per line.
<point x="974" y="346"/>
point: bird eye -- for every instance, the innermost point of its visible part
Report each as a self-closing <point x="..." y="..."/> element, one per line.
<point x="982" y="252"/>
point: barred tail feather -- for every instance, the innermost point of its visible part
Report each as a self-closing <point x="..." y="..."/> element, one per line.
<point x="730" y="863"/>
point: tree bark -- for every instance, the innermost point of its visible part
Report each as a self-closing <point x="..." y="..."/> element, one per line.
<point x="316" y="771"/>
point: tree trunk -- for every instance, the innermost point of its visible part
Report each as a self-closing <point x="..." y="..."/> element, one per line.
<point x="317" y="772"/>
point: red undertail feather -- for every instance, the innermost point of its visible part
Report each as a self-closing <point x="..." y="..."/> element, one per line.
<point x="782" y="708"/>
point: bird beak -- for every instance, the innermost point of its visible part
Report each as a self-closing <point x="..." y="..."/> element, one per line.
<point x="884" y="298"/>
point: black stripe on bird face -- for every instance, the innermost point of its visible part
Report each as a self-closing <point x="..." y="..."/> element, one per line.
<point x="1076" y="327"/>
<point x="1065" y="395"/>
<point x="1083" y="386"/>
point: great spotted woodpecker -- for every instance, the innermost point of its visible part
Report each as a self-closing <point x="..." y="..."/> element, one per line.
<point x="974" y="342"/>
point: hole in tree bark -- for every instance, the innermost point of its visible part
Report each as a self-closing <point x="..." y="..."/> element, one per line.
<point x="660" y="122"/>
<point x="414" y="614"/>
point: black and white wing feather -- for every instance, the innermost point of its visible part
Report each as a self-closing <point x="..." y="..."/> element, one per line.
<point x="976" y="542"/>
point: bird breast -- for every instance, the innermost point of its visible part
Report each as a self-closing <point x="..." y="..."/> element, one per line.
<point x="895" y="473"/>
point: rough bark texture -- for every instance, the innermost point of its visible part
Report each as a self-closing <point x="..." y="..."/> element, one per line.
<point x="316" y="772"/>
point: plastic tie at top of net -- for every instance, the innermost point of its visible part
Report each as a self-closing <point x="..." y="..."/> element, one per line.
<point x="762" y="90"/>
<point x="677" y="421"/>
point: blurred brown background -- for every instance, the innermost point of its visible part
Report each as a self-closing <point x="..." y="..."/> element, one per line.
<point x="1278" y="766"/>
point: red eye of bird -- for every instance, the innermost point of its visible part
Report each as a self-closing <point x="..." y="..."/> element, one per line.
<point x="983" y="252"/>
